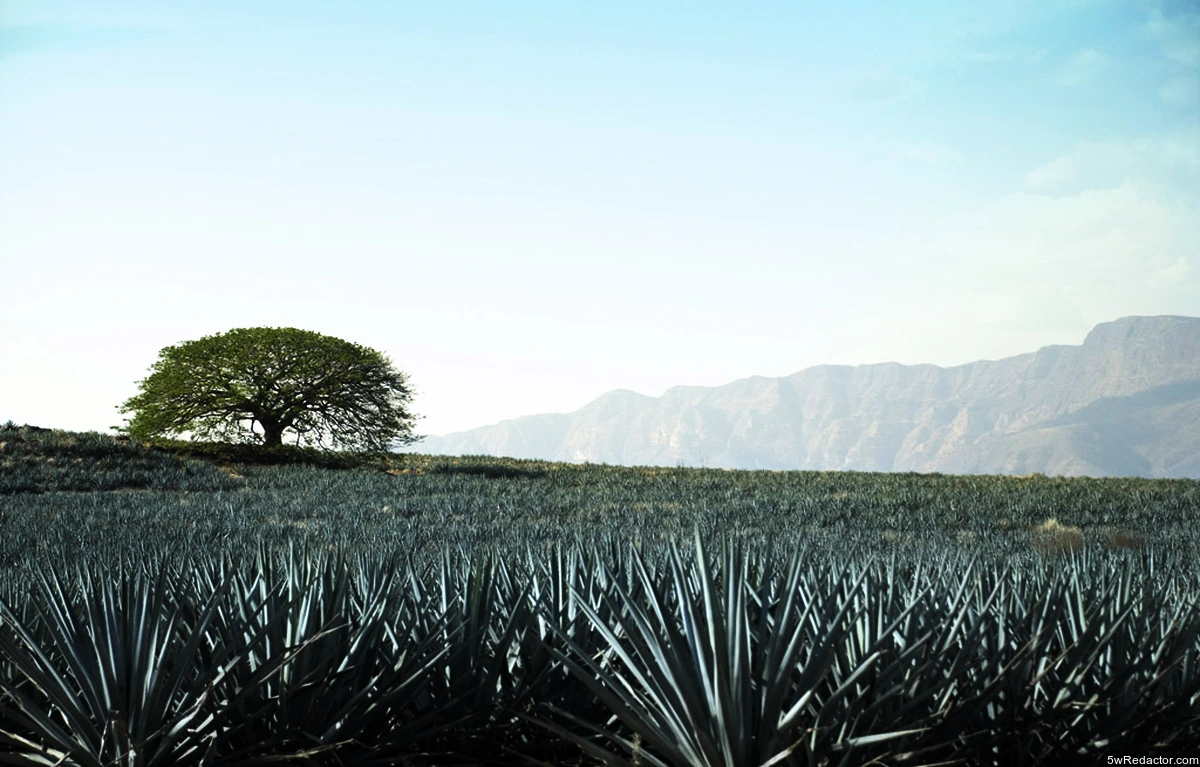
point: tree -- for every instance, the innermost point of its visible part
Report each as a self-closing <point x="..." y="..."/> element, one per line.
<point x="254" y="384"/>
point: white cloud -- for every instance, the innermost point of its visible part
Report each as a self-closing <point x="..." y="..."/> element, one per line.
<point x="1179" y="36"/>
<point x="1107" y="229"/>
<point x="1052" y="173"/>
<point x="1082" y="68"/>
<point x="1181" y="91"/>
<point x="876" y="151"/>
<point x="883" y="87"/>
<point x="1025" y="56"/>
<point x="987" y="57"/>
<point x="1170" y="160"/>
<point x="927" y="152"/>
<point x="1113" y="241"/>
<point x="1034" y="57"/>
<point x="1030" y="266"/>
<point x="1172" y="274"/>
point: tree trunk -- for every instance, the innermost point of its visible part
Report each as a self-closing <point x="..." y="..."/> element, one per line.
<point x="272" y="431"/>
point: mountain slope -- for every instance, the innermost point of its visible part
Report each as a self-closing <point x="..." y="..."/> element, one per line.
<point x="1125" y="402"/>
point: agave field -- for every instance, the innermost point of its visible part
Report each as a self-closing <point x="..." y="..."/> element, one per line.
<point x="161" y="608"/>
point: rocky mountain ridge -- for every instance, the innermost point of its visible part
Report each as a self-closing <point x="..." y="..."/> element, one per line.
<point x="1126" y="402"/>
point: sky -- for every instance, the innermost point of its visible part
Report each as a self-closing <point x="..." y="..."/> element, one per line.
<point x="527" y="204"/>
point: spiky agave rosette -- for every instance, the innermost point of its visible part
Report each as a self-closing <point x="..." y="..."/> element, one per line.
<point x="663" y="656"/>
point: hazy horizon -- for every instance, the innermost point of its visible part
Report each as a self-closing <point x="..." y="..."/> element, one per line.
<point x="684" y="385"/>
<point x="528" y="206"/>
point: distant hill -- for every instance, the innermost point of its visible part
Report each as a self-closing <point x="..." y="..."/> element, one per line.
<point x="1124" y="403"/>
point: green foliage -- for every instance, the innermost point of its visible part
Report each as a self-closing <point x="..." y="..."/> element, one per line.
<point x="428" y="610"/>
<point x="408" y="502"/>
<point x="660" y="657"/>
<point x="744" y="659"/>
<point x="227" y="454"/>
<point x="34" y="460"/>
<point x="254" y="385"/>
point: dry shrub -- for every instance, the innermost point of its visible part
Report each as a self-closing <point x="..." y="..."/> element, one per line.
<point x="1116" y="538"/>
<point x="1055" y="538"/>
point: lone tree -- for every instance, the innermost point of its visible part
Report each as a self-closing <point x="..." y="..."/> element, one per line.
<point x="251" y="385"/>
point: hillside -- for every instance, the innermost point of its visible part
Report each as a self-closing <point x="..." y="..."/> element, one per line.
<point x="435" y="611"/>
<point x="66" y="495"/>
<point x="1125" y="402"/>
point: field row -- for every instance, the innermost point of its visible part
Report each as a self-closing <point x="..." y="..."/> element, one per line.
<point x="66" y="495"/>
<point x="591" y="654"/>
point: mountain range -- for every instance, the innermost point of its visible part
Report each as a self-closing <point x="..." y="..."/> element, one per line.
<point x="1126" y="402"/>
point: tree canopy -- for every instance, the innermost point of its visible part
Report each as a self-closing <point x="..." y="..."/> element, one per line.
<point x="254" y="385"/>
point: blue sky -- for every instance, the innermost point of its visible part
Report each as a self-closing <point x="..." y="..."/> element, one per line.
<point x="526" y="204"/>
